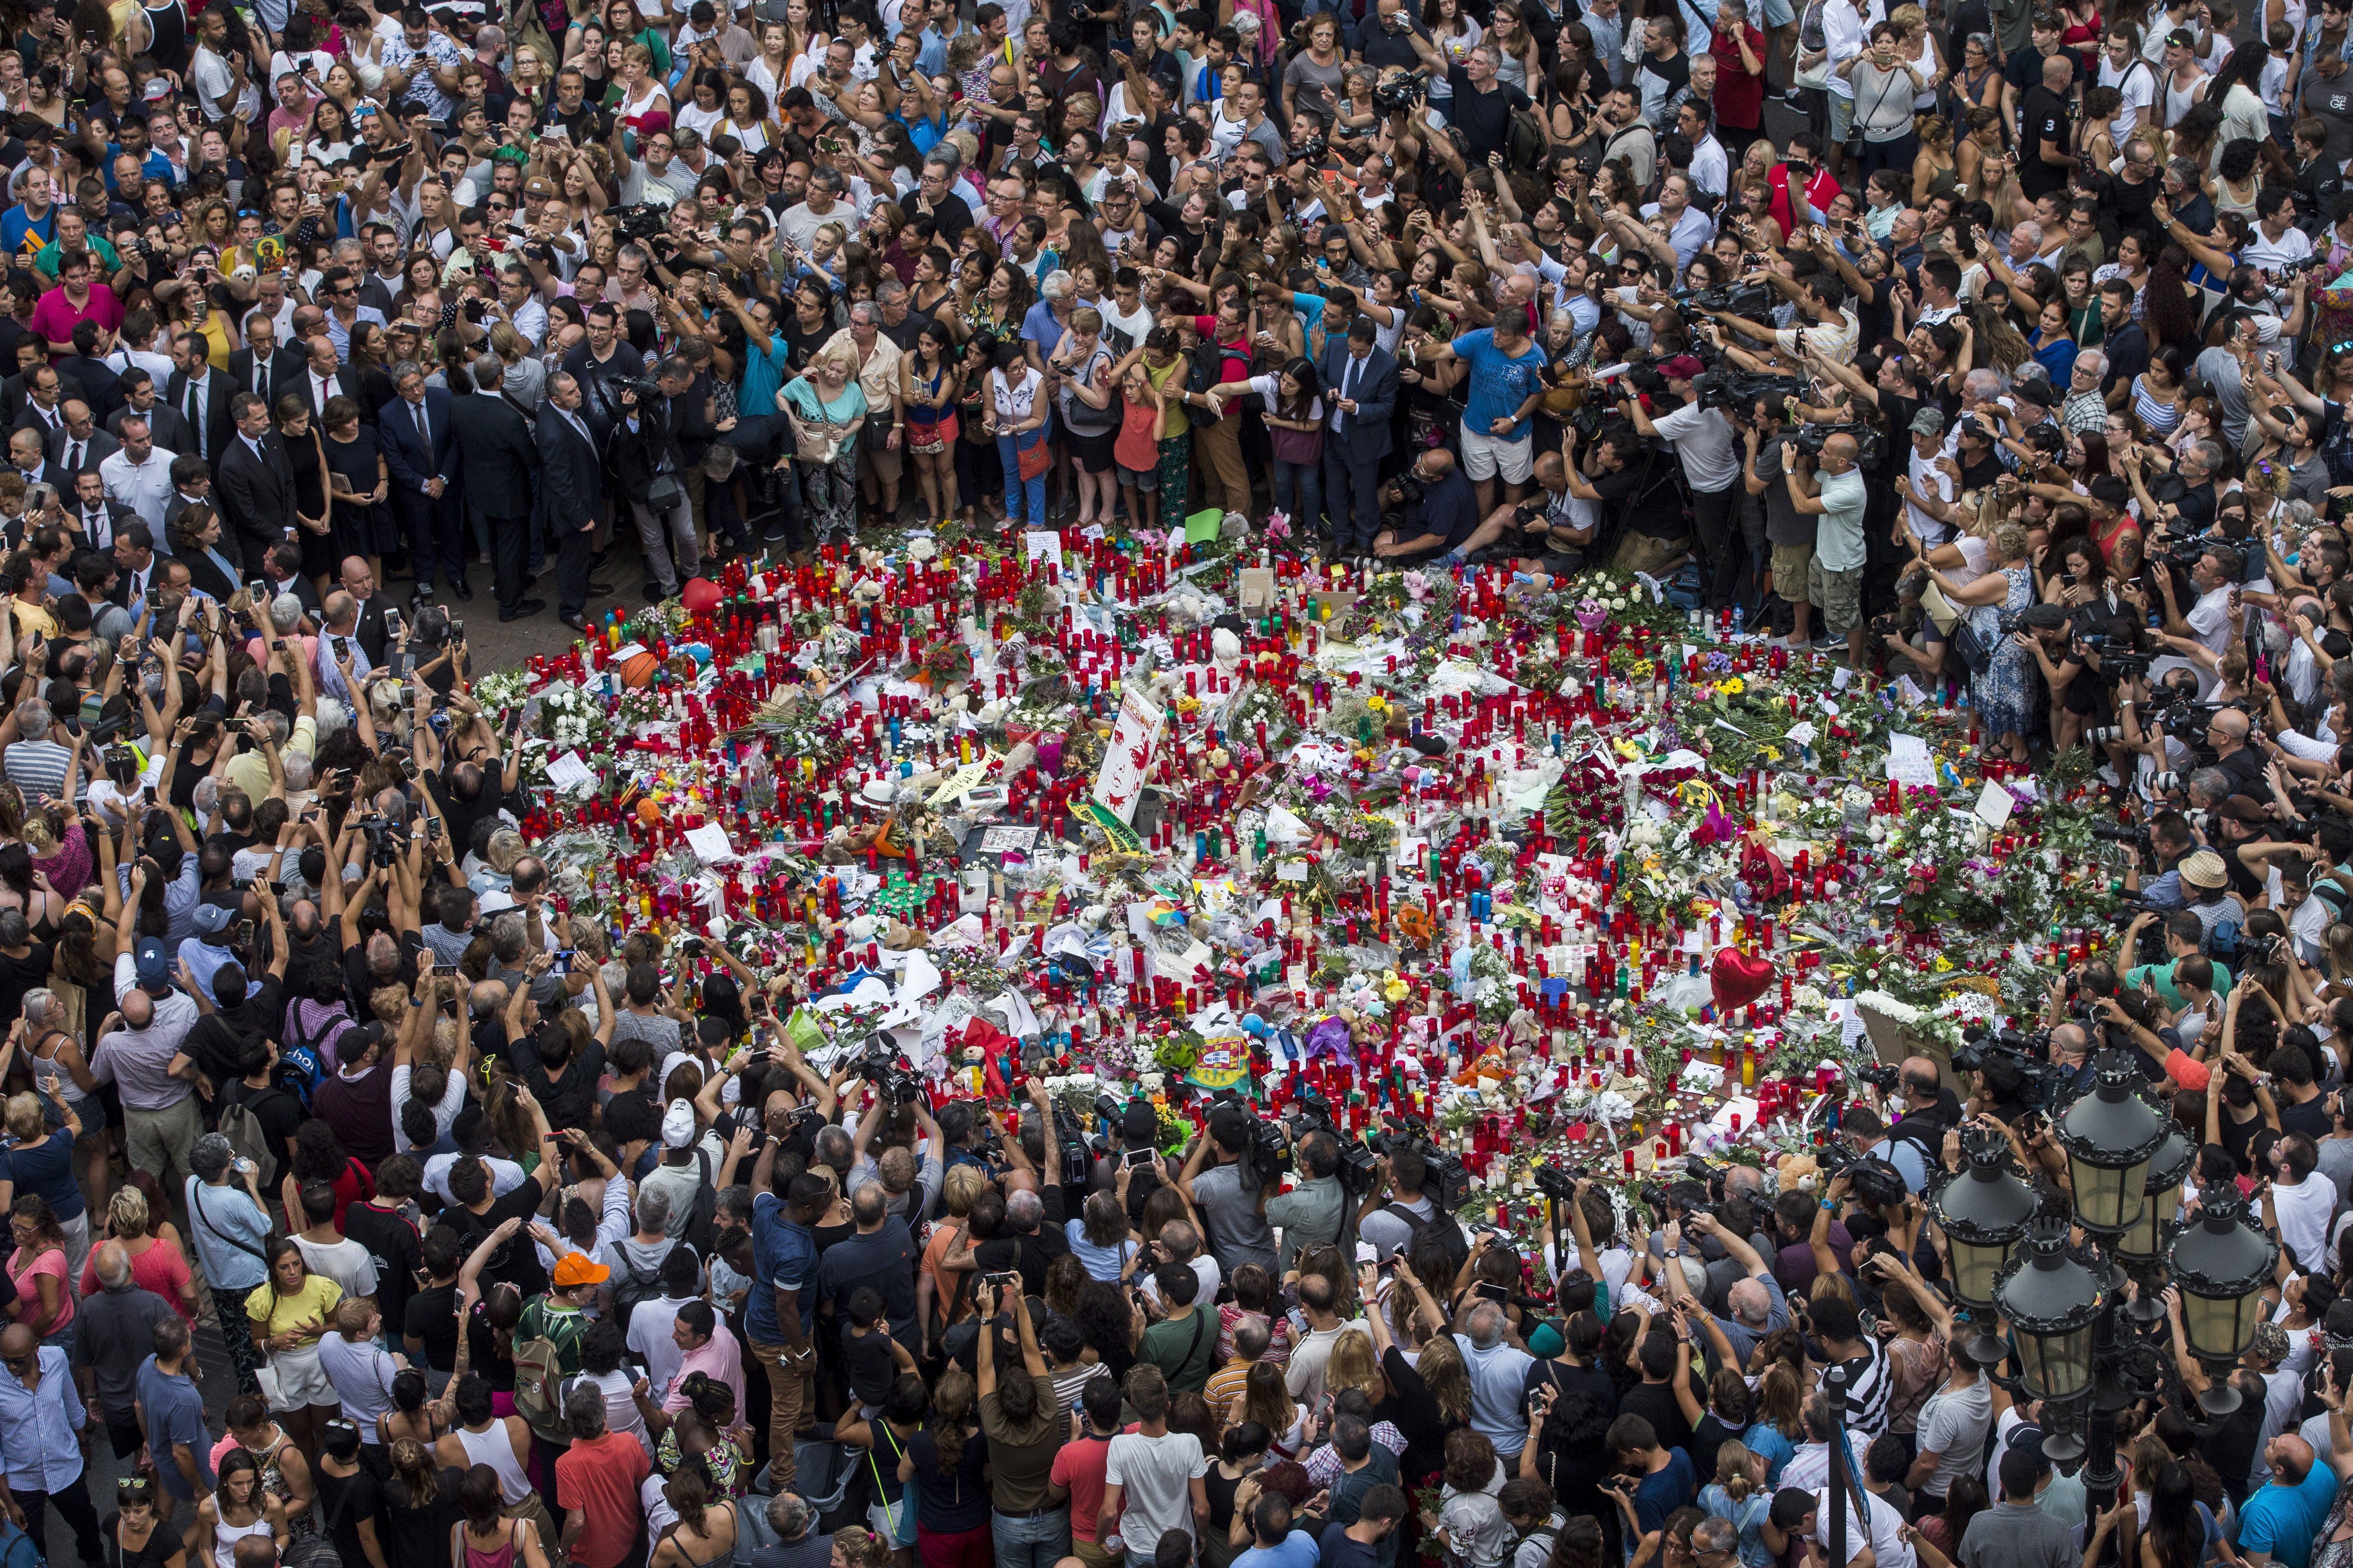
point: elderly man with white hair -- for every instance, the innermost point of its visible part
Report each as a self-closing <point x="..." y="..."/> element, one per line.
<point x="33" y="762"/>
<point x="117" y="1329"/>
<point x="880" y="469"/>
<point x="2084" y="409"/>
<point x="1498" y="1379"/>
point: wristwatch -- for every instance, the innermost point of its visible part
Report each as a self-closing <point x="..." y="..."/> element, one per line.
<point x="1674" y="1252"/>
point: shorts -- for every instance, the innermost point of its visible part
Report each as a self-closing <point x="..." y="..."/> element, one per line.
<point x="300" y="1379"/>
<point x="1779" y="14"/>
<point x="885" y="463"/>
<point x="1092" y="450"/>
<point x="1837" y="595"/>
<point x="1139" y="478"/>
<point x="894" y="1522"/>
<point x="1841" y="118"/>
<point x="1483" y="455"/>
<point x="1790" y="575"/>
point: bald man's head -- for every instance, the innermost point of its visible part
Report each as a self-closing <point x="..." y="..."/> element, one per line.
<point x="2058" y="71"/>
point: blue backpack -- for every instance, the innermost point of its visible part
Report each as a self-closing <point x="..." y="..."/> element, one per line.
<point x="18" y="1550"/>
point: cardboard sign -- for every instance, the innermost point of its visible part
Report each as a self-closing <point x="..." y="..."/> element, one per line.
<point x="1119" y="784"/>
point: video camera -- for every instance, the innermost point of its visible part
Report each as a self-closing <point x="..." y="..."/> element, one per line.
<point x="2011" y="1060"/>
<point x="1873" y="1179"/>
<point x="1742" y="391"/>
<point x="1810" y="438"/>
<point x="1445" y="1179"/>
<point x="882" y="1066"/>
<point x="642" y="220"/>
<point x="1751" y="302"/>
<point x="1399" y="94"/>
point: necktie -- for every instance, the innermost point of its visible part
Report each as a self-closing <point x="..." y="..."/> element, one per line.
<point x="73" y="457"/>
<point x="1348" y="382"/>
<point x="261" y="380"/>
<point x="425" y="432"/>
<point x="197" y="418"/>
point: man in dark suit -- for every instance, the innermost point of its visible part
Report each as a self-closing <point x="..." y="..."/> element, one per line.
<point x="264" y="367"/>
<point x="503" y="459"/>
<point x="81" y="444"/>
<point x="44" y="407"/>
<point x="256" y="484"/>
<point x="426" y="471"/>
<point x="572" y="493"/>
<point x="281" y="570"/>
<point x="87" y="508"/>
<point x="202" y="397"/>
<point x="166" y="424"/>
<point x="324" y="379"/>
<point x="1360" y="387"/>
<point x="89" y="377"/>
<point x="31" y="463"/>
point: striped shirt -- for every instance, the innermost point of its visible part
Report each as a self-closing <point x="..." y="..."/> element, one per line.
<point x="1225" y="1387"/>
<point x="1870" y="1381"/>
<point x="37" y="767"/>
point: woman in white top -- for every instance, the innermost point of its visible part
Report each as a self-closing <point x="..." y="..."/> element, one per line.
<point x="1916" y="44"/>
<point x="641" y="94"/>
<point x="1454" y="34"/>
<point x="1225" y="133"/>
<point x="331" y="133"/>
<point x="1017" y="413"/>
<point x="747" y="118"/>
<point x="238" y="1507"/>
<point x="708" y="105"/>
<point x="772" y="71"/>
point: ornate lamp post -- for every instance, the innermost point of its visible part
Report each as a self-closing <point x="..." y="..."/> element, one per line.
<point x="2221" y="1262"/>
<point x="2110" y="1136"/>
<point x="1983" y="1211"/>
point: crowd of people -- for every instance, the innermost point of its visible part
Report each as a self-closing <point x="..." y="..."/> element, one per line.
<point x="1995" y="349"/>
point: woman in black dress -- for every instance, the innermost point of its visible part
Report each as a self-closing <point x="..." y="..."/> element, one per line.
<point x="314" y="521"/>
<point x="420" y="1504"/>
<point x="356" y="472"/>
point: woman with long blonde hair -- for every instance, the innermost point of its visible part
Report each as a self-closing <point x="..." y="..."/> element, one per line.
<point x="1441" y="1367"/>
<point x="1353" y="1364"/>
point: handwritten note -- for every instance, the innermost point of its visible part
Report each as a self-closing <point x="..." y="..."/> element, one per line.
<point x="1994" y="806"/>
<point x="570" y="775"/>
<point x="1909" y="763"/>
<point x="710" y="844"/>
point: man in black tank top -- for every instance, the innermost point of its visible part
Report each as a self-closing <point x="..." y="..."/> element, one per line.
<point x="167" y="28"/>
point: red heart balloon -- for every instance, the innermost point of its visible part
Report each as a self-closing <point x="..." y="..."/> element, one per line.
<point x="1738" y="978"/>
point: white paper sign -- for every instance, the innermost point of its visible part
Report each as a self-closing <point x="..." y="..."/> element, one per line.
<point x="710" y="844"/>
<point x="1994" y="806"/>
<point x="1039" y="545"/>
<point x="1909" y="763"/>
<point x="569" y="774"/>
<point x="1119" y="785"/>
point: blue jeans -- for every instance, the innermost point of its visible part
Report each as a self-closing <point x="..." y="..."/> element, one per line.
<point x="1016" y="486"/>
<point x="1301" y="483"/>
<point x="1038" y="1542"/>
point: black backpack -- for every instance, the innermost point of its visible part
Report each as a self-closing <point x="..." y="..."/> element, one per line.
<point x="701" y="1232"/>
<point x="1206" y="368"/>
<point x="1443" y="1226"/>
<point x="633" y="1286"/>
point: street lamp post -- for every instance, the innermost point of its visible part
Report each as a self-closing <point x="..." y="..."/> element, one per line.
<point x="2221" y="1262"/>
<point x="1983" y="1211"/>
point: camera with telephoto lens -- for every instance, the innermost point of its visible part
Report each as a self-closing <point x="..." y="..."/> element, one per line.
<point x="1070" y="1142"/>
<point x="645" y="390"/>
<point x="1311" y="150"/>
<point x="1880" y="1075"/>
<point x="1444" y="1181"/>
<point x="2014" y="1065"/>
<point x="1555" y="1183"/>
<point x="122" y="764"/>
<point x="1399" y="94"/>
<point x="2131" y="834"/>
<point x="1750" y="301"/>
<point x="384" y="841"/>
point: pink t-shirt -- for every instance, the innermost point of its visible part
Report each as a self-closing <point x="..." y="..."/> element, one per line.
<point x="52" y="1263"/>
<point x="55" y="318"/>
<point x="721" y="1360"/>
<point x="160" y="1269"/>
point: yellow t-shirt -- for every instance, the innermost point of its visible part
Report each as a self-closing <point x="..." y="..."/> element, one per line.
<point x="1170" y="379"/>
<point x="308" y="1308"/>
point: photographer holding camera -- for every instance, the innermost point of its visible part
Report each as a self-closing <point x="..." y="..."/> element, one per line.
<point x="1230" y="1196"/>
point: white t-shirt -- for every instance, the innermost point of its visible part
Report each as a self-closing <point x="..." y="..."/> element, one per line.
<point x="1703" y="439"/>
<point x="2303" y="1212"/>
<point x="2135" y="84"/>
<point x="1156" y="1478"/>
<point x="2209" y="618"/>
<point x="1887" y="1542"/>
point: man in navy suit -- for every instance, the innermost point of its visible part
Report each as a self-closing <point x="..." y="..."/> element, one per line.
<point x="571" y="492"/>
<point x="1360" y="387"/>
<point x="201" y="395"/>
<point x="422" y="457"/>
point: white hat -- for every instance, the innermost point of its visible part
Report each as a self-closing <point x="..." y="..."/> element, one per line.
<point x="678" y="1125"/>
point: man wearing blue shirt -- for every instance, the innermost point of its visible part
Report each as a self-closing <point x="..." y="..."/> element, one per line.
<point x="42" y="1426"/>
<point x="1276" y="1544"/>
<point x="2282" y="1519"/>
<point x="780" y="1309"/>
<point x="32" y="223"/>
<point x="1507" y="380"/>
